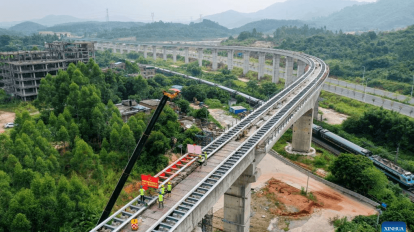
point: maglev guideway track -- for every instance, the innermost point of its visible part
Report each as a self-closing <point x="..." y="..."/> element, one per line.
<point x="178" y="214"/>
<point x="221" y="159"/>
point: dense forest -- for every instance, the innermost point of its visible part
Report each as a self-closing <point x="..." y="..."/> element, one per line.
<point x="15" y="43"/>
<point x="59" y="167"/>
<point x="169" y="31"/>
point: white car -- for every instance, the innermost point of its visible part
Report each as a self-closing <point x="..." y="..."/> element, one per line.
<point x="9" y="125"/>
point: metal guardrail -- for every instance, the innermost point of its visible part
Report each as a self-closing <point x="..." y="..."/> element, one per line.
<point x="187" y="204"/>
<point x="122" y="217"/>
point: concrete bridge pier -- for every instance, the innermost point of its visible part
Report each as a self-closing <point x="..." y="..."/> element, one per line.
<point x="200" y="56"/>
<point x="174" y="54"/>
<point x="164" y="53"/>
<point x="154" y="52"/>
<point x="186" y="54"/>
<point x="144" y="47"/>
<point x="289" y="71"/>
<point x="230" y="55"/>
<point x="302" y="132"/>
<point x="301" y="68"/>
<point x="214" y="56"/>
<point x="261" y="71"/>
<point x="276" y="67"/>
<point x="237" y="198"/>
<point x="246" y="58"/>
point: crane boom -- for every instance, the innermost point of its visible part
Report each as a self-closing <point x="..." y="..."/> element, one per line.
<point x="135" y="155"/>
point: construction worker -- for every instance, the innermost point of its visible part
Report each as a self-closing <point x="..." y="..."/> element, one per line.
<point x="162" y="190"/>
<point x="169" y="188"/>
<point x="200" y="160"/>
<point x="142" y="194"/>
<point x="160" y="201"/>
<point x="205" y="158"/>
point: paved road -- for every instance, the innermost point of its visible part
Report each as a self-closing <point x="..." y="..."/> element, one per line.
<point x="371" y="99"/>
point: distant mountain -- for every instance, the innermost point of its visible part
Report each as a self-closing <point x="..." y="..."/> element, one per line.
<point x="27" y="27"/>
<point x="268" y="26"/>
<point x="52" y="20"/>
<point x="381" y="15"/>
<point x="288" y="10"/>
<point x="231" y="18"/>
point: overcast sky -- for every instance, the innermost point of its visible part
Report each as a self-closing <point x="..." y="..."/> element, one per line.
<point x="137" y="10"/>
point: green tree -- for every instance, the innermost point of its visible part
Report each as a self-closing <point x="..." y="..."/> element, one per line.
<point x="63" y="135"/>
<point x="348" y="170"/>
<point x="20" y="222"/>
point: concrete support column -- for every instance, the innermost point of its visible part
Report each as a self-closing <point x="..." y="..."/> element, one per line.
<point x="230" y="55"/>
<point x="200" y="56"/>
<point x="316" y="108"/>
<point x="276" y="67"/>
<point x="261" y="71"/>
<point x="301" y="68"/>
<point x="164" y="53"/>
<point x="154" y="52"/>
<point x="214" y="57"/>
<point x="186" y="55"/>
<point x="289" y="71"/>
<point x="145" y="50"/>
<point x="174" y="55"/>
<point x="302" y="132"/>
<point x="246" y="57"/>
<point x="237" y="203"/>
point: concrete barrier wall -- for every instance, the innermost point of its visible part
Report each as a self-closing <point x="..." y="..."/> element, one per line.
<point x="317" y="178"/>
<point x="371" y="99"/>
<point x="374" y="91"/>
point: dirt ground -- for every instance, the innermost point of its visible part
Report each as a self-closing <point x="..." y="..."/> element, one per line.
<point x="5" y="117"/>
<point x="262" y="44"/>
<point x="332" y="117"/>
<point x="290" y="209"/>
<point x="243" y="79"/>
<point x="220" y="115"/>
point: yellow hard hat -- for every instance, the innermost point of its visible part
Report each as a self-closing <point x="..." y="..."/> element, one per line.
<point x="162" y="185"/>
<point x="169" y="182"/>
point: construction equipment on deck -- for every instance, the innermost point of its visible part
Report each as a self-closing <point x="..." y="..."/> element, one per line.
<point x="135" y="155"/>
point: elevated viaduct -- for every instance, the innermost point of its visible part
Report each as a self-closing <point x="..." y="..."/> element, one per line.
<point x="232" y="157"/>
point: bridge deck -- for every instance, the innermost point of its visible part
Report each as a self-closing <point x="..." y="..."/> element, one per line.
<point x="152" y="214"/>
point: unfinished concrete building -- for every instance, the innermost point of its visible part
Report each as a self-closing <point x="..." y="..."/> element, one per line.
<point x="21" y="72"/>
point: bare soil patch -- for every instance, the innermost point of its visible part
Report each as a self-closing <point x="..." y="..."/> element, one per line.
<point x="332" y="117"/>
<point x="290" y="209"/>
<point x="221" y="116"/>
<point x="6" y="117"/>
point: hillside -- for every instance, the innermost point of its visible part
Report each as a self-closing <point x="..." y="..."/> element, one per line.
<point x="52" y="20"/>
<point x="288" y="10"/>
<point x="93" y="27"/>
<point x="27" y="27"/>
<point x="381" y="15"/>
<point x="169" y="31"/>
<point x="267" y="26"/>
<point x="8" y="32"/>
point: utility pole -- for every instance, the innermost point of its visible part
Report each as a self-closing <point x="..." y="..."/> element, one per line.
<point x="307" y="182"/>
<point x="412" y="86"/>
<point x="200" y="18"/>
<point x="152" y="16"/>
<point x="107" y="15"/>
<point x="396" y="155"/>
<point x="365" y="90"/>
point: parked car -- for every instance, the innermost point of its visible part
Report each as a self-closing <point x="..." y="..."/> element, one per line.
<point x="9" y="125"/>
